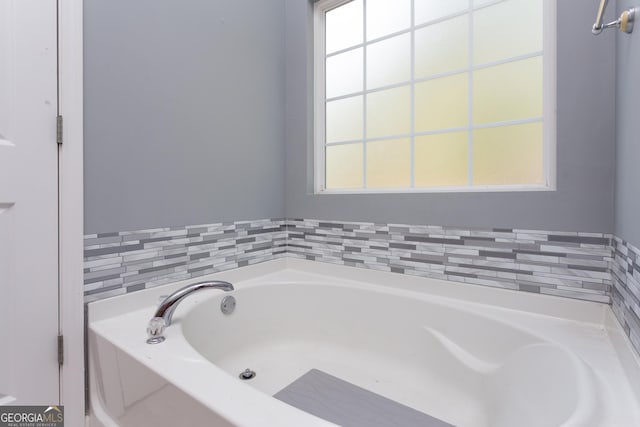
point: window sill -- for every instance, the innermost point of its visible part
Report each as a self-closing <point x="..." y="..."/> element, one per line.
<point x="477" y="189"/>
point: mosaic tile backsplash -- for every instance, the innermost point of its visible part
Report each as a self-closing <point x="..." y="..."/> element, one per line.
<point x="568" y="264"/>
<point x="574" y="265"/>
<point x="127" y="261"/>
<point x="625" y="292"/>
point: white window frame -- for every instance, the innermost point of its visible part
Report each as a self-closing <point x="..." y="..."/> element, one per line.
<point x="549" y="58"/>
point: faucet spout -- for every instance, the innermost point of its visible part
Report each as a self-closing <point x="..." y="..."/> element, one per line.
<point x="168" y="306"/>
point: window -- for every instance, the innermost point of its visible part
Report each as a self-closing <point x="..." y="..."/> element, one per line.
<point x="434" y="95"/>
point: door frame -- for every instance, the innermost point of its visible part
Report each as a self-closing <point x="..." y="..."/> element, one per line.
<point x="71" y="210"/>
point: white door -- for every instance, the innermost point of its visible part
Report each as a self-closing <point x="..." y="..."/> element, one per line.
<point x="29" y="372"/>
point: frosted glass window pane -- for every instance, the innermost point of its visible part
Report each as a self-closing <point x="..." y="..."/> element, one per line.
<point x="344" y="166"/>
<point x="344" y="73"/>
<point x="386" y="17"/>
<point x="441" y="160"/>
<point x="477" y="3"/>
<point x="389" y="163"/>
<point x="442" y="47"/>
<point x="508" y="92"/>
<point x="428" y="10"/>
<point x="508" y="155"/>
<point x="344" y="26"/>
<point x="389" y="61"/>
<point x="442" y="103"/>
<point x="507" y="29"/>
<point x="344" y="119"/>
<point x="388" y="112"/>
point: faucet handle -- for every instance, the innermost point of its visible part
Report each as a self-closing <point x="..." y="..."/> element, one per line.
<point x="155" y="330"/>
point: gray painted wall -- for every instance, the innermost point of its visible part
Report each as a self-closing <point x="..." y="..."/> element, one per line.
<point x="627" y="210"/>
<point x="183" y="112"/>
<point x="187" y="105"/>
<point x="585" y="148"/>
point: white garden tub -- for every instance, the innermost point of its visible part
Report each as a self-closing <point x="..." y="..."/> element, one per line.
<point x="467" y="355"/>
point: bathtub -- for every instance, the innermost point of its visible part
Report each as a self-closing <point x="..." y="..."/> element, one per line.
<point x="463" y="354"/>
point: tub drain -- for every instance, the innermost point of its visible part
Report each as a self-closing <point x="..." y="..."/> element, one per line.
<point x="247" y="374"/>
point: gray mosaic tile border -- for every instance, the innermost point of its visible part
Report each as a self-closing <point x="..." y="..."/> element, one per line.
<point x="566" y="264"/>
<point x="121" y="262"/>
<point x="625" y="293"/>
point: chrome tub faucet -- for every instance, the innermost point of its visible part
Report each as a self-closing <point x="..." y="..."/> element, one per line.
<point x="164" y="313"/>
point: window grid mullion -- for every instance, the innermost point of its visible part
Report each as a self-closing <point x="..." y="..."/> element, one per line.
<point x="364" y="94"/>
<point x="441" y="131"/>
<point x="412" y="95"/>
<point x="470" y="99"/>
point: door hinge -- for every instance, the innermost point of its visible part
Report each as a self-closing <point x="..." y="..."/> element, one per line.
<point x="60" y="350"/>
<point x="59" y="130"/>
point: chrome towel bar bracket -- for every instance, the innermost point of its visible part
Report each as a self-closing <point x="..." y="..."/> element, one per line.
<point x="624" y="22"/>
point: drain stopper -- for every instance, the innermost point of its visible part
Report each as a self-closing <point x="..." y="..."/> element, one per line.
<point x="247" y="374"/>
<point x="228" y="304"/>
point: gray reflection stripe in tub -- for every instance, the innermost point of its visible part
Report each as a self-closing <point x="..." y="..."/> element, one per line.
<point x="347" y="405"/>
